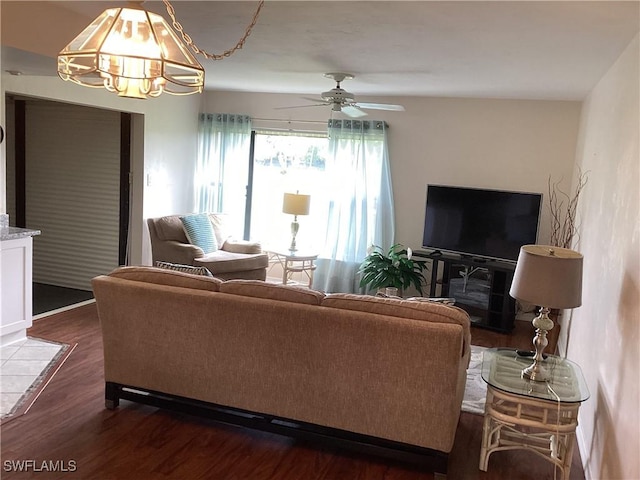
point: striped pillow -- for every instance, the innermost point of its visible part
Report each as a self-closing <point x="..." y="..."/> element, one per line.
<point x="199" y="232"/>
<point x="185" y="268"/>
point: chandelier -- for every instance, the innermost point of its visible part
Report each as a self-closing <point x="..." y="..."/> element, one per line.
<point x="135" y="54"/>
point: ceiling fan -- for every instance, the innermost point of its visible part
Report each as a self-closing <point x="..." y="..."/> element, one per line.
<point x="342" y="101"/>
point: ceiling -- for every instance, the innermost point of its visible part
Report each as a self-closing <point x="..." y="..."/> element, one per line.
<point x="502" y="49"/>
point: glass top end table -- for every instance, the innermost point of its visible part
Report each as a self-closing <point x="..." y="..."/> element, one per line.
<point x="502" y="369"/>
<point x="531" y="415"/>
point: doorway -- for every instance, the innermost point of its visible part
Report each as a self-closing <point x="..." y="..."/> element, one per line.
<point x="68" y="176"/>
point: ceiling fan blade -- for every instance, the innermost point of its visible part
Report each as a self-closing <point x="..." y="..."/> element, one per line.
<point x="353" y="111"/>
<point x="302" y="106"/>
<point x="316" y="100"/>
<point x="381" y="106"/>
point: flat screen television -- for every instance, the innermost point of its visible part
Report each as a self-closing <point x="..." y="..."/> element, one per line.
<point x="480" y="223"/>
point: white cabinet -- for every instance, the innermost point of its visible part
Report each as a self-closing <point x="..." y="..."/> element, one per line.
<point x="16" y="256"/>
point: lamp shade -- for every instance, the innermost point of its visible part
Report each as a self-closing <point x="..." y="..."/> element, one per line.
<point x="131" y="52"/>
<point x="548" y="276"/>
<point x="296" y="204"/>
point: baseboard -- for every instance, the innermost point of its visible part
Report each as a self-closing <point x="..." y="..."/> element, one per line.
<point x="583" y="448"/>
<point x="63" y="309"/>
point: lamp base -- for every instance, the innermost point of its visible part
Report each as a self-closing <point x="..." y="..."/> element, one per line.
<point x="536" y="371"/>
<point x="294" y="231"/>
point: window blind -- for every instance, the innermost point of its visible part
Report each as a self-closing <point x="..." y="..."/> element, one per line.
<point x="72" y="191"/>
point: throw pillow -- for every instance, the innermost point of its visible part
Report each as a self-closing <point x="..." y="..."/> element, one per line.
<point x="199" y="232"/>
<point x="219" y="221"/>
<point x="161" y="276"/>
<point x="185" y="268"/>
<point x="443" y="300"/>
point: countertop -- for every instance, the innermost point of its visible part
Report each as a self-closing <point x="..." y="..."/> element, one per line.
<point x="12" y="233"/>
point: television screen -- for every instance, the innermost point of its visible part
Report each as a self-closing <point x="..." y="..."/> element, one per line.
<point x="479" y="222"/>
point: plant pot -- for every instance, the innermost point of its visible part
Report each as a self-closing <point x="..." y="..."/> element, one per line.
<point x="389" y="292"/>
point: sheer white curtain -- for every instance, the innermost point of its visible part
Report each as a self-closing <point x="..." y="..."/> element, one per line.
<point x="222" y="166"/>
<point x="361" y="202"/>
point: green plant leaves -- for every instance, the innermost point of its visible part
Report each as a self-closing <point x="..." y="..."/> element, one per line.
<point x="395" y="269"/>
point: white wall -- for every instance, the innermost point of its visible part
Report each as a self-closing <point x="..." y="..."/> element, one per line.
<point x="604" y="330"/>
<point x="164" y="150"/>
<point x="503" y="144"/>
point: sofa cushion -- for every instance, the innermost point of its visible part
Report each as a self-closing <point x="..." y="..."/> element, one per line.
<point x="222" y="261"/>
<point x="170" y="229"/>
<point x="271" y="291"/>
<point x="398" y="308"/>
<point x="184" y="268"/>
<point x="199" y="232"/>
<point x="242" y="246"/>
<point x="162" y="276"/>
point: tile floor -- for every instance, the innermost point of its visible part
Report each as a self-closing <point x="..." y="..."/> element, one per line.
<point x="21" y="364"/>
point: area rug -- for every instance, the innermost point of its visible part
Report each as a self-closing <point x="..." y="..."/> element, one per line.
<point x="27" y="368"/>
<point x="475" y="391"/>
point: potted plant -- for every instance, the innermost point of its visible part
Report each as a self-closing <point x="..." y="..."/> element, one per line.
<point x="396" y="269"/>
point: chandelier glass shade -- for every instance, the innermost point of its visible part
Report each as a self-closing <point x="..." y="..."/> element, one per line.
<point x="131" y="52"/>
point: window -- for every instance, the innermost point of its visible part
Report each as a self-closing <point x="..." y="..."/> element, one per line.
<point x="347" y="177"/>
<point x="291" y="162"/>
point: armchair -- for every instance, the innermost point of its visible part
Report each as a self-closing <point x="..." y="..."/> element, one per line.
<point x="233" y="259"/>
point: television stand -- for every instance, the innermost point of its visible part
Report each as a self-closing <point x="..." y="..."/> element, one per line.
<point x="464" y="256"/>
<point x="479" y="286"/>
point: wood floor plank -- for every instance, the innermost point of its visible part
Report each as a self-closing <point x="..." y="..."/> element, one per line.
<point x="68" y="422"/>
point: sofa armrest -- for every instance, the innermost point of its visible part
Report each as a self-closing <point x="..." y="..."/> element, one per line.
<point x="176" y="252"/>
<point x="186" y="248"/>
<point x="241" y="246"/>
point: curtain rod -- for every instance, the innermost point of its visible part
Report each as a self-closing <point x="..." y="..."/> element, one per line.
<point x="289" y="121"/>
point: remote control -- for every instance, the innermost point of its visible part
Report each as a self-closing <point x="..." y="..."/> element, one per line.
<point x="528" y="353"/>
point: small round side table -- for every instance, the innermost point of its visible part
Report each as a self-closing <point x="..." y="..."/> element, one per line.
<point x="294" y="262"/>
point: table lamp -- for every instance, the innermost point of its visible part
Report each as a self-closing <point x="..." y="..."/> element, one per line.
<point x="295" y="204"/>
<point x="550" y="277"/>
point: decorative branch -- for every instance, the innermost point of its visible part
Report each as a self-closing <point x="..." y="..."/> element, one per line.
<point x="563" y="207"/>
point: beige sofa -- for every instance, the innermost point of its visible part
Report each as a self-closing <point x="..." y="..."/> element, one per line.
<point x="232" y="259"/>
<point x="385" y="369"/>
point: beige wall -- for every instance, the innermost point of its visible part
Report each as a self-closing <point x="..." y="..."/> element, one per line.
<point x="502" y="144"/>
<point x="604" y="330"/>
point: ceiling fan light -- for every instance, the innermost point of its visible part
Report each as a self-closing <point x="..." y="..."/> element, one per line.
<point x="342" y="101"/>
<point x="131" y="52"/>
<point x="338" y="95"/>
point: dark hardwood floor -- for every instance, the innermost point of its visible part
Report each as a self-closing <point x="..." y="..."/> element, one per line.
<point x="69" y="424"/>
